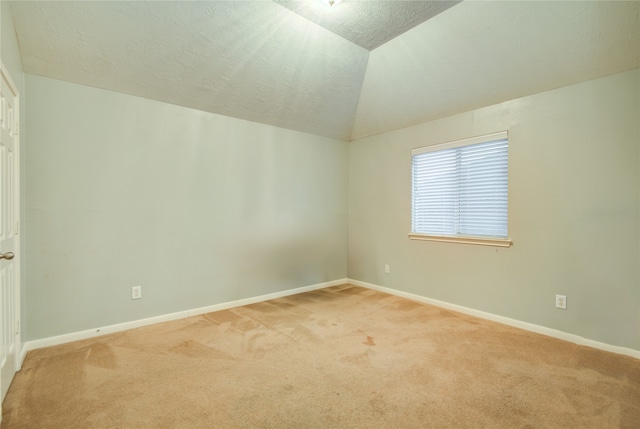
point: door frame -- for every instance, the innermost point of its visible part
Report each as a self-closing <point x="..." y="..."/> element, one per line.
<point x="18" y="236"/>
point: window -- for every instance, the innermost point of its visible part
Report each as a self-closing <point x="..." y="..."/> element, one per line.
<point x="459" y="191"/>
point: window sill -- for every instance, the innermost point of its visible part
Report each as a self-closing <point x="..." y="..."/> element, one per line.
<point x="495" y="242"/>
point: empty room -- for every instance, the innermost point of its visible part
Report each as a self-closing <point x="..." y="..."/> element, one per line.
<point x="320" y="214"/>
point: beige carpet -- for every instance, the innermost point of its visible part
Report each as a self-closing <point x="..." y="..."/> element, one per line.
<point x="341" y="357"/>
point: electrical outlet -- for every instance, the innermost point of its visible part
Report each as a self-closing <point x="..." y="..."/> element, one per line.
<point x="561" y="302"/>
<point x="136" y="292"/>
<point x="386" y="269"/>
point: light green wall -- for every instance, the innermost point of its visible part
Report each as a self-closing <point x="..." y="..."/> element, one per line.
<point x="574" y="192"/>
<point x="201" y="209"/>
<point x="197" y="208"/>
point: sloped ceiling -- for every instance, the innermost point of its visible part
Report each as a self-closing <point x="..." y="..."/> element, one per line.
<point x="481" y="53"/>
<point x="264" y="61"/>
<point x="368" y="23"/>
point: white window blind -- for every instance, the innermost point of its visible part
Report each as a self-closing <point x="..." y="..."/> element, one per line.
<point x="461" y="188"/>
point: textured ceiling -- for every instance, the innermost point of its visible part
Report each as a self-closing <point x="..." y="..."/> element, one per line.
<point x="251" y="60"/>
<point x="368" y="23"/>
<point x="481" y="53"/>
<point x="259" y="61"/>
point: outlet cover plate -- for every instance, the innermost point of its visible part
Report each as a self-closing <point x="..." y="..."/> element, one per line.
<point x="136" y="292"/>
<point x="561" y="302"/>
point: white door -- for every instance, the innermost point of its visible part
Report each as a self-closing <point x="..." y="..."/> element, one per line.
<point x="9" y="241"/>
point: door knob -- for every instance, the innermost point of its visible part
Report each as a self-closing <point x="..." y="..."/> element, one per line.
<point x="7" y="256"/>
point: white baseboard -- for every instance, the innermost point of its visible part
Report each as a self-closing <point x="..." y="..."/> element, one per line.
<point x="576" y="339"/>
<point x="91" y="333"/>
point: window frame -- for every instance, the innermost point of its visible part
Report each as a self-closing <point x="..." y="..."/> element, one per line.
<point x="458" y="238"/>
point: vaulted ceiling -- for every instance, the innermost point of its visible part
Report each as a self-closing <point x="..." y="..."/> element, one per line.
<point x="356" y="69"/>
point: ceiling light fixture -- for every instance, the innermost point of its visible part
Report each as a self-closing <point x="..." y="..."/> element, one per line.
<point x="330" y="3"/>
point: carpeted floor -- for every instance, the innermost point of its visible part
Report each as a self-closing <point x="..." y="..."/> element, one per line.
<point x="341" y="357"/>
